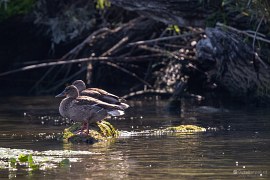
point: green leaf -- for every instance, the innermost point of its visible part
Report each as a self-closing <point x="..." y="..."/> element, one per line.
<point x="30" y="159"/>
<point x="34" y="166"/>
<point x="65" y="163"/>
<point x="23" y="158"/>
<point x="12" y="162"/>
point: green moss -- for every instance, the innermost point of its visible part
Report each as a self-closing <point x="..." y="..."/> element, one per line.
<point x="98" y="133"/>
<point x="15" y="7"/>
<point x="185" y="128"/>
<point x="107" y="129"/>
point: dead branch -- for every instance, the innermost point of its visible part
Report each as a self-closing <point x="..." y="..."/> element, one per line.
<point x="242" y="32"/>
<point x="163" y="39"/>
<point x="147" y="91"/>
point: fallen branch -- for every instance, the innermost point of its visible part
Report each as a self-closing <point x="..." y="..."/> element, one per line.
<point x="79" y="47"/>
<point x="56" y="63"/>
<point x="146" y="91"/>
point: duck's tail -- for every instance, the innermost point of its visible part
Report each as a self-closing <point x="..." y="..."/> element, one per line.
<point x="116" y="113"/>
<point x="124" y="105"/>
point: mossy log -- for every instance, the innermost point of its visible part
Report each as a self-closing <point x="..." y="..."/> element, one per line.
<point x="234" y="65"/>
<point x="101" y="132"/>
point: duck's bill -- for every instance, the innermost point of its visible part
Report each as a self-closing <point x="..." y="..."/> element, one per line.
<point x="62" y="94"/>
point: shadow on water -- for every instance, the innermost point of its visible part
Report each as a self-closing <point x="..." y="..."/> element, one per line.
<point x="234" y="147"/>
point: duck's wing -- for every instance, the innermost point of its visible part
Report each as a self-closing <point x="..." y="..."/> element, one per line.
<point x="107" y="97"/>
<point x="91" y="93"/>
<point x="89" y="101"/>
<point x="103" y="92"/>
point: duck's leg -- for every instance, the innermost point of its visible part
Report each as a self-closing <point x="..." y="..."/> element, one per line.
<point x="83" y="127"/>
<point x="87" y="127"/>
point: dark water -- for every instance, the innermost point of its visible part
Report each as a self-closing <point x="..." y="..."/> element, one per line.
<point x="235" y="147"/>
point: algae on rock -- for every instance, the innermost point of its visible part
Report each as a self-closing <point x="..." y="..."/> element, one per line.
<point x="98" y="133"/>
<point x="185" y="129"/>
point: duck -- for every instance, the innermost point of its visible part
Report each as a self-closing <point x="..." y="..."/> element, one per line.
<point x="85" y="109"/>
<point x="99" y="94"/>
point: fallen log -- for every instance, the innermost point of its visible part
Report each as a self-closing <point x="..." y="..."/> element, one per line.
<point x="234" y="66"/>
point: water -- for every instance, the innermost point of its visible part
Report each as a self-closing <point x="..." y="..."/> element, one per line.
<point x="236" y="146"/>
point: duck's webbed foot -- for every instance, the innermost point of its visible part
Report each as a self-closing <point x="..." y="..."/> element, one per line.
<point x="83" y="127"/>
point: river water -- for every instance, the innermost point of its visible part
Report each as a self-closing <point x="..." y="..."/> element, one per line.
<point x="235" y="145"/>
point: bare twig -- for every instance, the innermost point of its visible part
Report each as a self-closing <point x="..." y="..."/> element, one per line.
<point x="255" y="35"/>
<point x="163" y="39"/>
<point x="122" y="41"/>
<point x="242" y="32"/>
<point x="79" y="47"/>
<point x="63" y="81"/>
<point x="146" y="91"/>
<point x="128" y="72"/>
<point x="159" y="50"/>
<point x="260" y="60"/>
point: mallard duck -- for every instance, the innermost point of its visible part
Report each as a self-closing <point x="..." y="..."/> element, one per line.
<point x="85" y="109"/>
<point x="99" y="94"/>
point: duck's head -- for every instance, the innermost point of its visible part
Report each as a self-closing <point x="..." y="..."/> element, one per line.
<point x="69" y="91"/>
<point x="80" y="85"/>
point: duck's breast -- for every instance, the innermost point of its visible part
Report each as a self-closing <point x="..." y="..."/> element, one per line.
<point x="83" y="112"/>
<point x="64" y="107"/>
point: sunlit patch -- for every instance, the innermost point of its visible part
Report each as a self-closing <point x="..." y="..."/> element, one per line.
<point x="29" y="160"/>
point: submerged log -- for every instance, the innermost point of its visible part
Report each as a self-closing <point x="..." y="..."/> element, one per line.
<point x="234" y="65"/>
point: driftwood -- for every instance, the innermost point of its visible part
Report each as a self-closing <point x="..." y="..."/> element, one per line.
<point x="234" y="65"/>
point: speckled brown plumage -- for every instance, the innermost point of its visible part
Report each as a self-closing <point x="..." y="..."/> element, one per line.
<point x="99" y="94"/>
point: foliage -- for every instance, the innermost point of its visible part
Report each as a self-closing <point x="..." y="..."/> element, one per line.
<point x="64" y="21"/>
<point x="102" y="4"/>
<point x="241" y="11"/>
<point x="174" y="28"/>
<point x="9" y="8"/>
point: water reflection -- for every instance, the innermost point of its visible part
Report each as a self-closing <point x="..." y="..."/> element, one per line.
<point x="236" y="147"/>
